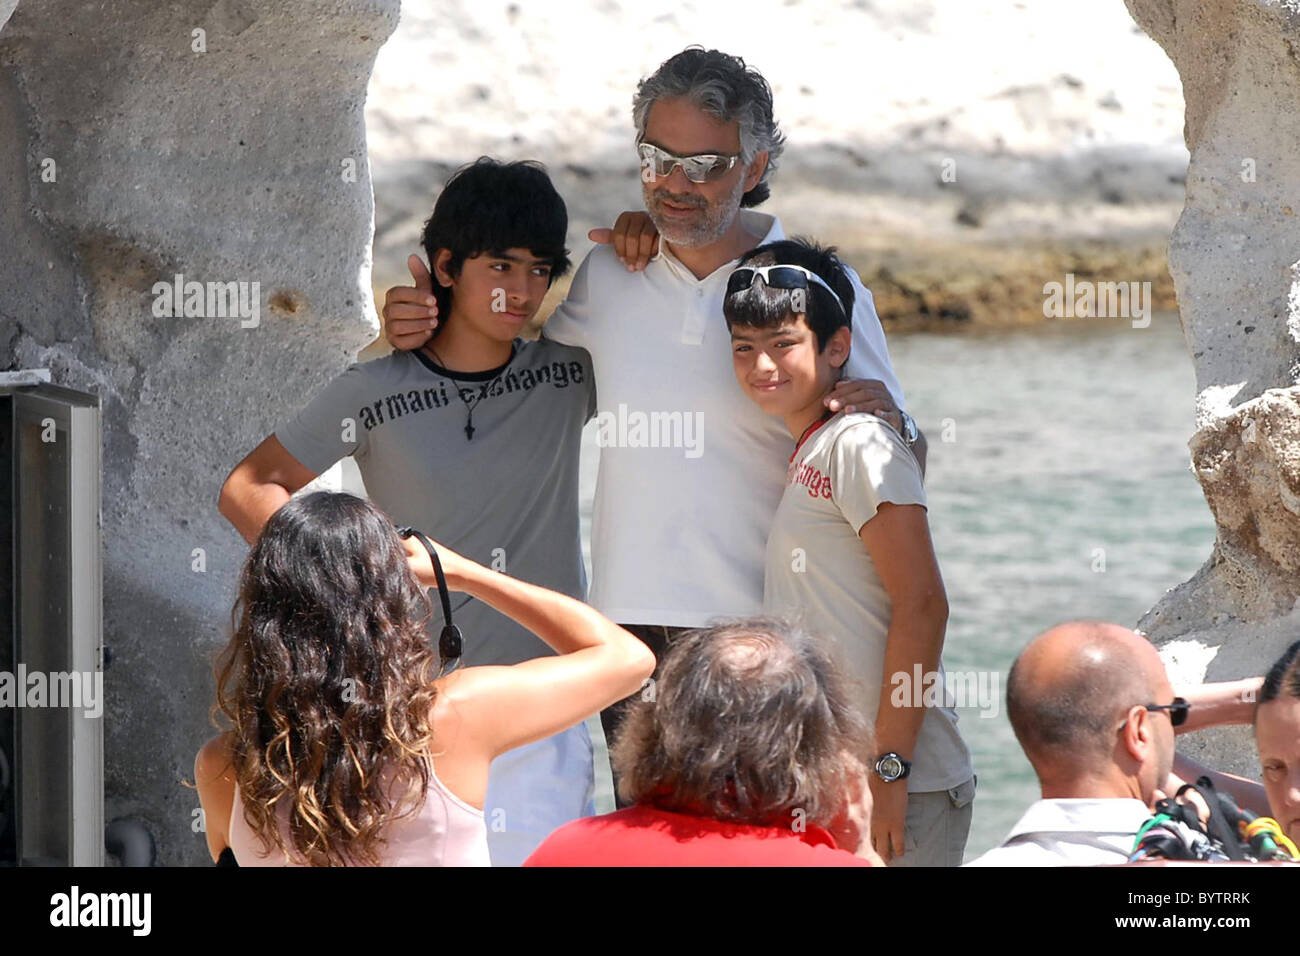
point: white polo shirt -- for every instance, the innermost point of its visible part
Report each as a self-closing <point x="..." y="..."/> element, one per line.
<point x="1071" y="832"/>
<point x="691" y="471"/>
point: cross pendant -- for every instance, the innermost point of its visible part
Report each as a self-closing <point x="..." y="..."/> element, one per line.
<point x="469" y="432"/>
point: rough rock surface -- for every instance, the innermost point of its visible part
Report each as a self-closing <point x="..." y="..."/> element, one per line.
<point x="1233" y="256"/>
<point x="227" y="164"/>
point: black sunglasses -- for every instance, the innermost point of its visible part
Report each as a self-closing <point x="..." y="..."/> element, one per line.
<point x="451" y="644"/>
<point x="1178" y="711"/>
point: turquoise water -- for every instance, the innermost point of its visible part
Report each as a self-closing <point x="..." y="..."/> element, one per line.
<point x="1062" y="491"/>
<point x="1070" y="437"/>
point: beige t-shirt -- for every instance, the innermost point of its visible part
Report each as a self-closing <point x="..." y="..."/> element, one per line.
<point x="818" y="569"/>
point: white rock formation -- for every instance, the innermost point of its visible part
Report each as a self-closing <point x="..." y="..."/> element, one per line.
<point x="1234" y="258"/>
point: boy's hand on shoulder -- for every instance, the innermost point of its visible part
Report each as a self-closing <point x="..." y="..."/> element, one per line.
<point x="634" y="237"/>
<point x="410" y="311"/>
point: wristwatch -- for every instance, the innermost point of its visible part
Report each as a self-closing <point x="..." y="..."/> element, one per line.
<point x="890" y="767"/>
<point x="910" y="432"/>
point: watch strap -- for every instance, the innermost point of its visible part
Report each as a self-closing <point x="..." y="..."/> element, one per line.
<point x="905" y="764"/>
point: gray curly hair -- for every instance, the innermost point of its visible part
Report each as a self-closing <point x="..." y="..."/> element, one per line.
<point x="723" y="86"/>
<point x="751" y="721"/>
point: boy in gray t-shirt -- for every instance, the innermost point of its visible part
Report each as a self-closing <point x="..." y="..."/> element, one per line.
<point x="475" y="440"/>
<point x="507" y="498"/>
<point x="849" y="550"/>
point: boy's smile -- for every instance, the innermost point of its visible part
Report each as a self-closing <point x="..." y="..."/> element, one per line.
<point x="782" y="370"/>
<point x="776" y="367"/>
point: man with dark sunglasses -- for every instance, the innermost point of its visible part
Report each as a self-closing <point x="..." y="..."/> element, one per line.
<point x="1095" y="712"/>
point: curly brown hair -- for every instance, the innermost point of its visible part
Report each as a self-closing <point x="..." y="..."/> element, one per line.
<point x="749" y="722"/>
<point x="327" y="680"/>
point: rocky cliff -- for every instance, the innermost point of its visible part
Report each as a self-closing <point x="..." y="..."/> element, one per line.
<point x="1235" y="260"/>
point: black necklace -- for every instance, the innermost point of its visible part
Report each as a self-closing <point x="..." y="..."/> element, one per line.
<point x="825" y="417"/>
<point x="469" y="406"/>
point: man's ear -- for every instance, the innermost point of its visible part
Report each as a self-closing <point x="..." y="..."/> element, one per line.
<point x="754" y="171"/>
<point x="440" y="272"/>
<point x="837" y="348"/>
<point x="1138" y="737"/>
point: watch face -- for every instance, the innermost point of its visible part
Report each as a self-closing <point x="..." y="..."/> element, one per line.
<point x="891" y="768"/>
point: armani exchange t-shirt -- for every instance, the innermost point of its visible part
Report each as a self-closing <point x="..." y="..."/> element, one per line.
<point x="507" y="497"/>
<point x="818" y="569"/>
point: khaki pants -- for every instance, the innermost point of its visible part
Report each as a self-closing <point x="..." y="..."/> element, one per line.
<point x="937" y="824"/>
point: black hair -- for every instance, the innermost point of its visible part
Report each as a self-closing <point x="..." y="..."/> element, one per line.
<point x="488" y="207"/>
<point x="761" y="306"/>
<point x="1282" y="678"/>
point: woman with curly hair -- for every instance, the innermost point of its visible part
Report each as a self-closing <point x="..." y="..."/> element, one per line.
<point x="346" y="747"/>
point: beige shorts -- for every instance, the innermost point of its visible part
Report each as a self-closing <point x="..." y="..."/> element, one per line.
<point x="937" y="824"/>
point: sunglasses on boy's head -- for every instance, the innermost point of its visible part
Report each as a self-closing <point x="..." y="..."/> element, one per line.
<point x="778" y="277"/>
<point x="702" y="168"/>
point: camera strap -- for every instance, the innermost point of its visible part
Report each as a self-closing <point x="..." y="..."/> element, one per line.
<point x="451" y="643"/>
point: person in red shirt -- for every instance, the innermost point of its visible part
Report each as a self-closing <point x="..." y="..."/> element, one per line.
<point x="746" y="750"/>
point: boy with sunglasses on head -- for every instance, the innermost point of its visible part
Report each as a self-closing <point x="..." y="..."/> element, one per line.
<point x="475" y="439"/>
<point x="849" y="548"/>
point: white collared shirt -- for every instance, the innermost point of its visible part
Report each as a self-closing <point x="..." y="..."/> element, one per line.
<point x="1071" y="832"/>
<point x="691" y="470"/>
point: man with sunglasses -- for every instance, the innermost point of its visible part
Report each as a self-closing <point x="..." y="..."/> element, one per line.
<point x="678" y="539"/>
<point x="1096" y="715"/>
